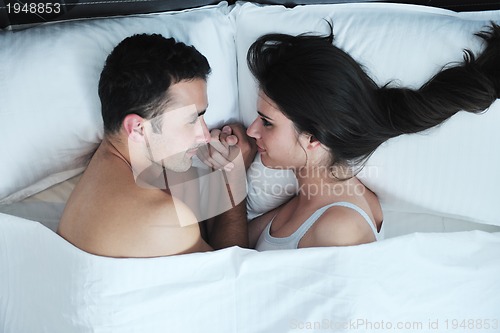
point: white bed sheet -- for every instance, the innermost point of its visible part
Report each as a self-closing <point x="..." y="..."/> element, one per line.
<point x="47" y="285"/>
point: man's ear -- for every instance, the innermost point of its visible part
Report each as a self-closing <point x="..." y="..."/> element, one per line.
<point x="134" y="127"/>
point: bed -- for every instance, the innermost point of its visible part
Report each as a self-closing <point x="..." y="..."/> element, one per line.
<point x="437" y="270"/>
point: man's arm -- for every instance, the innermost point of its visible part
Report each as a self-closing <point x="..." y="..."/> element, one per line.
<point x="231" y="227"/>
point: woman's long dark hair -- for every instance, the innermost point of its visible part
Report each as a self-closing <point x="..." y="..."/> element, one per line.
<point x="327" y="94"/>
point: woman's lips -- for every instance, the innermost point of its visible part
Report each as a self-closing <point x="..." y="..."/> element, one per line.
<point x="260" y="150"/>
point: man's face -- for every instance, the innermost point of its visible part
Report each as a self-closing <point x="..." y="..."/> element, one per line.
<point x="183" y="128"/>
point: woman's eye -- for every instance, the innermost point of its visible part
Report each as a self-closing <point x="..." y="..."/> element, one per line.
<point x="265" y="122"/>
<point x="194" y="121"/>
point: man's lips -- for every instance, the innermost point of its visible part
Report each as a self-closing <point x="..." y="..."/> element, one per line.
<point x="192" y="151"/>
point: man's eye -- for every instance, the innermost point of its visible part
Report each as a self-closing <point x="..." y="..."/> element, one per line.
<point x="265" y="122"/>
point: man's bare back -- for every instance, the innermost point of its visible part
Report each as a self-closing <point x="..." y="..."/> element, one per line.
<point x="108" y="214"/>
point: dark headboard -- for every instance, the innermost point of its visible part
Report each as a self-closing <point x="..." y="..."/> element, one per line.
<point x="35" y="11"/>
<point x="61" y="10"/>
<point x="455" y="5"/>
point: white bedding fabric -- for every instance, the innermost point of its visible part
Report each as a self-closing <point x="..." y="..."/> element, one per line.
<point x="47" y="285"/>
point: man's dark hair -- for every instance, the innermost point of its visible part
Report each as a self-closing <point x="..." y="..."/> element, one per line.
<point x="138" y="73"/>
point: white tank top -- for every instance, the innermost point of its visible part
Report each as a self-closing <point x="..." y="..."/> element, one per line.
<point x="268" y="242"/>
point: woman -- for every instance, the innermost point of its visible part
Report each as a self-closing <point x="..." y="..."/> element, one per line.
<point x="322" y="116"/>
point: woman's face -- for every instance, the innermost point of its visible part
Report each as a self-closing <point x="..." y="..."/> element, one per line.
<point x="277" y="140"/>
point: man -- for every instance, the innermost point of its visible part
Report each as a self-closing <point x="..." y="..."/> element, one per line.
<point x="153" y="96"/>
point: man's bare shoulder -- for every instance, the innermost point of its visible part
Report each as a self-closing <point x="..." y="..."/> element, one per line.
<point x="168" y="227"/>
<point x="117" y="218"/>
<point x="162" y="225"/>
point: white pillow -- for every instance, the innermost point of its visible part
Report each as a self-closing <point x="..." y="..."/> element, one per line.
<point x="50" y="115"/>
<point x="268" y="188"/>
<point x="450" y="170"/>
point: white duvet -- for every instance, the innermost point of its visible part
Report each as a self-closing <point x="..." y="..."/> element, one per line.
<point x="414" y="283"/>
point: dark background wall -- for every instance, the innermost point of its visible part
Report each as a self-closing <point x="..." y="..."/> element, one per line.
<point x="72" y="9"/>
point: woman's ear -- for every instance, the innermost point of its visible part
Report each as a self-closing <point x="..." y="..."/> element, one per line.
<point x="313" y="142"/>
<point x="134" y="127"/>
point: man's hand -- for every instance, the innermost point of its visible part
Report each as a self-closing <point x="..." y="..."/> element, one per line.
<point x="225" y="145"/>
<point x="246" y="144"/>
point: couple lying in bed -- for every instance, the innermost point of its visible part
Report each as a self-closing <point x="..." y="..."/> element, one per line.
<point x="319" y="115"/>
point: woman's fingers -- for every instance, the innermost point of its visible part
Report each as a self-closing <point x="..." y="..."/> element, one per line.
<point x="231" y="140"/>
<point x="218" y="143"/>
<point x="245" y="143"/>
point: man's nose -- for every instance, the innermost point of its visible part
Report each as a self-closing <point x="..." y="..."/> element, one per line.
<point x="204" y="135"/>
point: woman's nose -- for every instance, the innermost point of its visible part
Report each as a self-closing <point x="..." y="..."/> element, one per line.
<point x="253" y="129"/>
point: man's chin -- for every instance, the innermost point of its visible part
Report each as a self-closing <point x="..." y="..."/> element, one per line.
<point x="179" y="166"/>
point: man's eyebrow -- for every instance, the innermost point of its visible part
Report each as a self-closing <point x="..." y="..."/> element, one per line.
<point x="263" y="115"/>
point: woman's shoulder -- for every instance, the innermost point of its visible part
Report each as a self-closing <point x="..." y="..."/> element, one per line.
<point x="339" y="225"/>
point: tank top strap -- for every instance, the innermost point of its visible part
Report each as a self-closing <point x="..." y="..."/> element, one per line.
<point x="302" y="230"/>
<point x="362" y="213"/>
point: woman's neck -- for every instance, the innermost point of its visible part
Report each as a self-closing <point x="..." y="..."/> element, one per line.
<point x="316" y="183"/>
